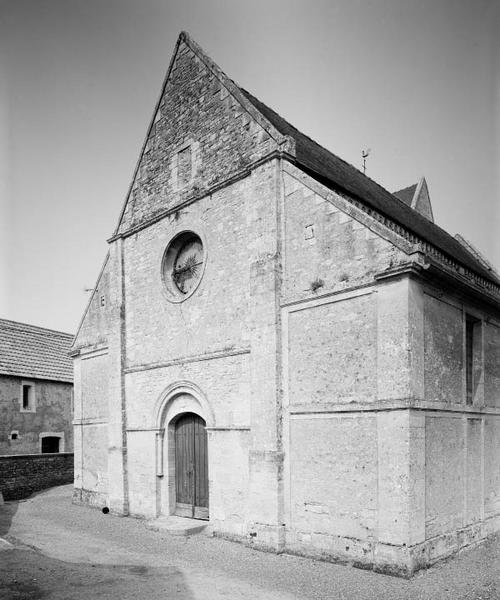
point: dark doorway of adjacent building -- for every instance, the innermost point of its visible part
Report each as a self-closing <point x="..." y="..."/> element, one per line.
<point x="50" y="444"/>
<point x="191" y="467"/>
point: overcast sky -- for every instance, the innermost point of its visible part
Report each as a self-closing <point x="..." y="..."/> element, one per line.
<point x="417" y="81"/>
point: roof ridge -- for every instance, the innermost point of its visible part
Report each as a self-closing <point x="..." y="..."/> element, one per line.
<point x="408" y="187"/>
<point x="9" y="322"/>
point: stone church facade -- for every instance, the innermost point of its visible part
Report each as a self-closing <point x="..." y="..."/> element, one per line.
<point x="279" y="345"/>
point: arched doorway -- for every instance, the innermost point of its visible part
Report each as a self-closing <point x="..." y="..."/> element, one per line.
<point x="191" y="467"/>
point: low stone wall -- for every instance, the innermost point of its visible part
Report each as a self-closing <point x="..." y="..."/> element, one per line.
<point x="24" y="474"/>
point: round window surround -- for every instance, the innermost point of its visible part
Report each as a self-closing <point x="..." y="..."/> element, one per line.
<point x="183" y="265"/>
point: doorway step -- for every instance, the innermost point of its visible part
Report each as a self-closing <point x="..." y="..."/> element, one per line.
<point x="181" y="526"/>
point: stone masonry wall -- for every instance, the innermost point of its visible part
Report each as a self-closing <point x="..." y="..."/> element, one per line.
<point x="325" y="248"/>
<point x="347" y="489"/>
<point x="443" y="331"/>
<point x="462" y="441"/>
<point x="492" y="364"/>
<point x="216" y="317"/>
<point x="195" y="111"/>
<point x="428" y="473"/>
<point x="332" y="352"/>
<point x="201" y="137"/>
<point x="53" y="413"/>
<point x="209" y="341"/>
<point x="23" y="475"/>
<point x="94" y="330"/>
<point x="99" y="436"/>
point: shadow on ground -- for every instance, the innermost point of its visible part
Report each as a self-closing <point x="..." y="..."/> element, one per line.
<point x="103" y="549"/>
<point x="28" y="575"/>
<point x="10" y="507"/>
<point x="7" y="512"/>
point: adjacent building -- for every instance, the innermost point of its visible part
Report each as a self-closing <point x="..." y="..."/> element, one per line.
<point x="36" y="390"/>
<point x="279" y="345"/>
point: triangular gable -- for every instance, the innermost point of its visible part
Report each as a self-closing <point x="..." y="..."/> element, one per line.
<point x="407" y="194"/>
<point x="89" y="304"/>
<point x="235" y="91"/>
<point x="165" y="111"/>
<point x="336" y="173"/>
<point x="421" y="201"/>
<point x="150" y="199"/>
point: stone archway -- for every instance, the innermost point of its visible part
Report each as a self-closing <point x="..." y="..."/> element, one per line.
<point x="178" y="400"/>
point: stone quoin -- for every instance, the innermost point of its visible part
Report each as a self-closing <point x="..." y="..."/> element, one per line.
<point x="281" y="346"/>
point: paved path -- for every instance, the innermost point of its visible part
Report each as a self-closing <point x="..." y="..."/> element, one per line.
<point x="67" y="552"/>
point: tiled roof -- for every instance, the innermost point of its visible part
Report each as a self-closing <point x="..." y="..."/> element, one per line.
<point x="336" y="174"/>
<point x="34" y="352"/>
<point x="477" y="253"/>
<point x="406" y="194"/>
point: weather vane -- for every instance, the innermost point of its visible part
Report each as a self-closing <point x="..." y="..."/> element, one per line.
<point x="365" y="154"/>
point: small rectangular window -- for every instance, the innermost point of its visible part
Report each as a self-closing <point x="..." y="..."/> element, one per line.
<point x="28" y="401"/>
<point x="184" y="166"/>
<point x="472" y="355"/>
<point x="309" y="232"/>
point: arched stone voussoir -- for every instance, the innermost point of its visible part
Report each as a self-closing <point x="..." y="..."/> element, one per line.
<point x="181" y="397"/>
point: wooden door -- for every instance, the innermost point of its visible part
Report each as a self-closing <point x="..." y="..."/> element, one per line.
<point x="191" y="467"/>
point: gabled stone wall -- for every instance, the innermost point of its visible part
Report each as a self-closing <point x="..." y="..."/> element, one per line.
<point x="196" y="112"/>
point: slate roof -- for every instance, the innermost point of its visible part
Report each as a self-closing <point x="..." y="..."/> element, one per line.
<point x="406" y="194"/>
<point x="34" y="352"/>
<point x="339" y="175"/>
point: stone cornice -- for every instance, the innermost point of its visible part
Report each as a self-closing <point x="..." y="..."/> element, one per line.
<point x="390" y="405"/>
<point x="236" y="176"/>
<point x="403" y="238"/>
<point x="187" y="359"/>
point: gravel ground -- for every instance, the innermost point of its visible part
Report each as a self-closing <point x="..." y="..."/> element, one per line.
<point x="72" y="552"/>
<point x="28" y="575"/>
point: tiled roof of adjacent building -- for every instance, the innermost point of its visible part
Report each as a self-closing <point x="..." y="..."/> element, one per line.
<point x="335" y="173"/>
<point x="34" y="352"/>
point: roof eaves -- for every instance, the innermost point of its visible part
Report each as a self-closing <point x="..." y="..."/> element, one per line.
<point x="29" y="328"/>
<point x="367" y="188"/>
<point x="34" y="376"/>
<point x="332" y="184"/>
